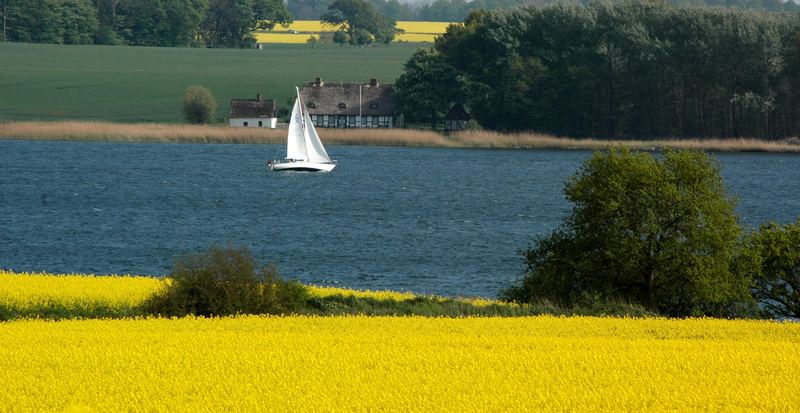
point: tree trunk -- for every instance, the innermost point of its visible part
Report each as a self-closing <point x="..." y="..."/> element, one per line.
<point x="433" y="121"/>
<point x="611" y="121"/>
<point x="650" y="280"/>
<point x="5" y="22"/>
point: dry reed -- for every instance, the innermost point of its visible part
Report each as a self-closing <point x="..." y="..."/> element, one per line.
<point x="146" y="132"/>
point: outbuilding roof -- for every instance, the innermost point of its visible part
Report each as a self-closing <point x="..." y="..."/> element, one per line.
<point x="253" y="108"/>
<point x="457" y="112"/>
<point x="332" y="98"/>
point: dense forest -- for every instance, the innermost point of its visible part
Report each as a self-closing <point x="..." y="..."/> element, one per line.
<point x="226" y="23"/>
<point x="457" y="10"/>
<point x="211" y="23"/>
<point x="616" y="70"/>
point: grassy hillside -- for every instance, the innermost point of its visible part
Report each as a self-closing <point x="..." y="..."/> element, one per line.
<point x="144" y="84"/>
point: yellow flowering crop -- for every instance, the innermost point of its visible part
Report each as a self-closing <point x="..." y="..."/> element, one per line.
<point x="309" y="364"/>
<point x="30" y="293"/>
<point x="300" y="30"/>
<point x="313" y="26"/>
<point x="399" y="296"/>
<point x="415" y="37"/>
<point x="377" y="294"/>
<point x="75" y="291"/>
<point x="423" y="27"/>
<point x="283" y="37"/>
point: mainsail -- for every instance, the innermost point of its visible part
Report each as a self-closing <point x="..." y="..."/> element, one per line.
<point x="296" y="146"/>
<point x="316" y="152"/>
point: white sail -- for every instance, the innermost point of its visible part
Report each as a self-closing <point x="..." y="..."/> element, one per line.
<point x="316" y="152"/>
<point x="296" y="146"/>
<point x="304" y="150"/>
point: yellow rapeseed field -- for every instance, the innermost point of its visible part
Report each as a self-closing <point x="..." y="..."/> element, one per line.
<point x="300" y="30"/>
<point x="423" y="27"/>
<point x="283" y="37"/>
<point x="31" y="291"/>
<point x="26" y="291"/>
<point x="310" y="364"/>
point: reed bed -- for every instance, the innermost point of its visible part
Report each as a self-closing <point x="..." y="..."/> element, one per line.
<point x="532" y="140"/>
<point x="138" y="132"/>
<point x="151" y="132"/>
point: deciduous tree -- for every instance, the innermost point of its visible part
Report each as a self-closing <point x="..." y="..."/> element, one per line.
<point x="659" y="232"/>
<point x="359" y="23"/>
<point x="428" y="87"/>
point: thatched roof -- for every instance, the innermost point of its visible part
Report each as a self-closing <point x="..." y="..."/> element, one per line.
<point x="329" y="98"/>
<point x="253" y="108"/>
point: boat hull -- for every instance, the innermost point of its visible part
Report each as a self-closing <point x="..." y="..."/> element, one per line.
<point x="300" y="166"/>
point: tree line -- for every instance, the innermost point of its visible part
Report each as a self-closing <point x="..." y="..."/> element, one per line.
<point x="616" y="70"/>
<point x="458" y="10"/>
<point x="211" y="23"/>
<point x="227" y="23"/>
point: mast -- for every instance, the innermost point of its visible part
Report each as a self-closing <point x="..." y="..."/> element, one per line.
<point x="302" y="116"/>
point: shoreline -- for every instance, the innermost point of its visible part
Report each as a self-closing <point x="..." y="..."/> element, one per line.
<point x="181" y="133"/>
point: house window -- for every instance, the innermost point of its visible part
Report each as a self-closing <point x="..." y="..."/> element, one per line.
<point x="245" y="124"/>
<point x="311" y="105"/>
<point x="260" y="124"/>
<point x="342" y="105"/>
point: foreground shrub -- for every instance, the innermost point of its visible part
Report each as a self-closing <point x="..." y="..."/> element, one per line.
<point x="226" y="281"/>
<point x="657" y="232"/>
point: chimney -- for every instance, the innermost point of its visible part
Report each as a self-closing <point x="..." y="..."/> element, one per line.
<point x="318" y="82"/>
<point x="258" y="97"/>
<point x="373" y="82"/>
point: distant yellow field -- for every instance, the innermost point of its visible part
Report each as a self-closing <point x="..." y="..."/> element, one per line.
<point x="423" y="27"/>
<point x="301" y="30"/>
<point x="283" y="37"/>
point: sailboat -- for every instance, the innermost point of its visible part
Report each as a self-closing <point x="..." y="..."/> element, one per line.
<point x="304" y="150"/>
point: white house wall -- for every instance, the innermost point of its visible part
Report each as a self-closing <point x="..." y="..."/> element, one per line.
<point x="253" y="122"/>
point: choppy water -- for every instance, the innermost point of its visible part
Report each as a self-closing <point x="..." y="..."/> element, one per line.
<point x="444" y="221"/>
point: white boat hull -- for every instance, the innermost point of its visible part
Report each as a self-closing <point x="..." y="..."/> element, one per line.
<point x="300" y="166"/>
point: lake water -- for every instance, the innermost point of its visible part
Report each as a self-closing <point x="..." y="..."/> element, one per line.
<point x="430" y="220"/>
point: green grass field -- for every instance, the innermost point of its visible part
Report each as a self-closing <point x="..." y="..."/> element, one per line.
<point x="146" y="84"/>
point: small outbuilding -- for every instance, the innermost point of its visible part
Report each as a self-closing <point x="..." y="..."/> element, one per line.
<point x="456" y="118"/>
<point x="253" y="113"/>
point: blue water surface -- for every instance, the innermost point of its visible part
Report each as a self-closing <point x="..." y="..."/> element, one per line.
<point x="429" y="220"/>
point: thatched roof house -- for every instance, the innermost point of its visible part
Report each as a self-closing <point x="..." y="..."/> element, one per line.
<point x="350" y="105"/>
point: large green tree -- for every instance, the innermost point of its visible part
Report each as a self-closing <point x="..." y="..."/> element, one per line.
<point x="229" y="23"/>
<point x="359" y="23"/>
<point x="427" y="88"/>
<point x="661" y="232"/>
<point x="158" y="22"/>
